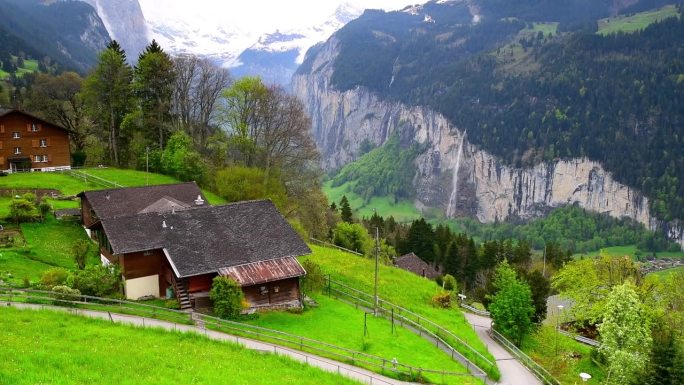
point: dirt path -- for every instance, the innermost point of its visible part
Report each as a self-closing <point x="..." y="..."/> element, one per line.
<point x="512" y="371"/>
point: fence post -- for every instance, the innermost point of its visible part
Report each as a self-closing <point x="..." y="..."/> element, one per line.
<point x="329" y="283"/>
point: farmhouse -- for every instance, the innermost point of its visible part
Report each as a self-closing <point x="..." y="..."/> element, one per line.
<point x="183" y="250"/>
<point x="28" y="143"/>
<point x="414" y="264"/>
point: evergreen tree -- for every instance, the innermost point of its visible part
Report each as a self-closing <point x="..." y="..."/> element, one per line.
<point x="345" y="210"/>
<point x="107" y="94"/>
<point x="420" y="240"/>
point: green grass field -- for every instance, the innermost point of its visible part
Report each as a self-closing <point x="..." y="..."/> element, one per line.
<point x="631" y="251"/>
<point x="573" y="357"/>
<point x="402" y="211"/>
<point x="340" y="324"/>
<point x="545" y="28"/>
<point x="667" y="272"/>
<point x="399" y="287"/>
<point x="50" y="242"/>
<point x="635" y="22"/>
<point x="17" y="264"/>
<point x="42" y="347"/>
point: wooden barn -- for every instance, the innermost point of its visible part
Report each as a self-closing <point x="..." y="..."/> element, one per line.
<point x="183" y="250"/>
<point x="29" y="143"/>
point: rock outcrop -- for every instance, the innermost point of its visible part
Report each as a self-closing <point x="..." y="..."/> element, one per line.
<point x="125" y="23"/>
<point x="486" y="187"/>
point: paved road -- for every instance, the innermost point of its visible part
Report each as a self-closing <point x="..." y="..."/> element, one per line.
<point x="512" y="371"/>
<point x="356" y="373"/>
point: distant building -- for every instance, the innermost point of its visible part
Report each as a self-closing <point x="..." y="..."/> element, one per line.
<point x="28" y="143"/>
<point x="414" y="264"/>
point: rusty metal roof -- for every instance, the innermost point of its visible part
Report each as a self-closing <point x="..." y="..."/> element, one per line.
<point x="258" y="272"/>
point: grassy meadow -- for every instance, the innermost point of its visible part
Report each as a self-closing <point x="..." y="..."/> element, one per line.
<point x="62" y="349"/>
<point x="402" y="211"/>
<point x="631" y="251"/>
<point x="341" y="324"/>
<point x="401" y="288"/>
<point x="635" y="22"/>
<point x="667" y="272"/>
<point x="573" y="357"/>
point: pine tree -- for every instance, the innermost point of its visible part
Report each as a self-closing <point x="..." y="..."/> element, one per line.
<point x="345" y="210"/>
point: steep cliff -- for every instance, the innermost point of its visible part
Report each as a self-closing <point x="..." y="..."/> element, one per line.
<point x="125" y="23"/>
<point x="453" y="174"/>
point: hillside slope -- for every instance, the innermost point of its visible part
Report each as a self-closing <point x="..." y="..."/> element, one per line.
<point x="513" y="117"/>
<point x="69" y="32"/>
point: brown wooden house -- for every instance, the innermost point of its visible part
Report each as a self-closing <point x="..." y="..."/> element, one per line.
<point x="28" y="143"/>
<point x="184" y="250"/>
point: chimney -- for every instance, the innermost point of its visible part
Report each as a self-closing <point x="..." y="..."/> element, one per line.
<point x="199" y="201"/>
<point x="107" y="196"/>
<point x="163" y="224"/>
<point x="173" y="208"/>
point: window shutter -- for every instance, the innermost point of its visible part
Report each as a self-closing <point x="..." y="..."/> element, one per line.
<point x="35" y="143"/>
<point x="0" y="145"/>
<point x="2" y="128"/>
<point x="47" y="142"/>
<point x="2" y="160"/>
<point x="28" y="127"/>
<point x="40" y="127"/>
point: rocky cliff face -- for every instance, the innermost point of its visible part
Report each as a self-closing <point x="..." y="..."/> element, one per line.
<point x="453" y="174"/>
<point x="125" y="23"/>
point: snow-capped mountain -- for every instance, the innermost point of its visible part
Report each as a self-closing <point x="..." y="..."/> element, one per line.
<point x="276" y="56"/>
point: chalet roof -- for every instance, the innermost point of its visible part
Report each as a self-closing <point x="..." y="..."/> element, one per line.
<point x="207" y="238"/>
<point x="414" y="264"/>
<point x="133" y="200"/>
<point x="254" y="273"/>
<point x="7" y="111"/>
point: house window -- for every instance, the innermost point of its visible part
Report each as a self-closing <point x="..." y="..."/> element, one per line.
<point x="15" y="135"/>
<point x="40" y="158"/>
<point x="34" y="127"/>
<point x="17" y="150"/>
<point x="263" y="290"/>
<point x="276" y="289"/>
<point x="43" y="143"/>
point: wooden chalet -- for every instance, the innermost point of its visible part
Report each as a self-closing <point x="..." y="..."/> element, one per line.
<point x="184" y="250"/>
<point x="414" y="264"/>
<point x="29" y="143"/>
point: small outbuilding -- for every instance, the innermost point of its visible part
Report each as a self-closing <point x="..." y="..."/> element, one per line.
<point x="414" y="264"/>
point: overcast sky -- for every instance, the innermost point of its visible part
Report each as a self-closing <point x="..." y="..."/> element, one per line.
<point x="255" y="15"/>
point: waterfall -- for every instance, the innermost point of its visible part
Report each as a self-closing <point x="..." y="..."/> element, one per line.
<point x="451" y="207"/>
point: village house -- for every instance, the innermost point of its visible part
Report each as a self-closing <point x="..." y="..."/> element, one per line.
<point x="28" y="143"/>
<point x="411" y="262"/>
<point x="170" y="244"/>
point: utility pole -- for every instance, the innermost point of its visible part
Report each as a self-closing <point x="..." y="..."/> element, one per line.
<point x="377" y="252"/>
<point x="147" y="166"/>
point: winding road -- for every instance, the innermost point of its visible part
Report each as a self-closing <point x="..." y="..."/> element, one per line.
<point x="512" y="371"/>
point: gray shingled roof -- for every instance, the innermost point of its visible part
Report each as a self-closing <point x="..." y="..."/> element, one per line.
<point x="133" y="200"/>
<point x="205" y="239"/>
<point x="414" y="264"/>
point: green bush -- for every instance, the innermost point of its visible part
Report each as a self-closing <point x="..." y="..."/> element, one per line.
<point x="79" y="250"/>
<point x="97" y="280"/>
<point x="314" y="279"/>
<point x="227" y="296"/>
<point x="56" y="276"/>
<point x="63" y="293"/>
<point x="449" y="283"/>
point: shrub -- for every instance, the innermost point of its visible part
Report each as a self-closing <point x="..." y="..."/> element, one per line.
<point x="227" y="297"/>
<point x="23" y="209"/>
<point x="442" y="300"/>
<point x="449" y="283"/>
<point x="63" y="293"/>
<point x="56" y="276"/>
<point x="80" y="250"/>
<point x="97" y="280"/>
<point x="314" y="279"/>
<point x="44" y="208"/>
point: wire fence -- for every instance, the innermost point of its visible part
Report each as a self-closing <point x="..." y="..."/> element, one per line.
<point x="542" y="374"/>
<point x="89" y="178"/>
<point x="442" y="337"/>
<point x="385" y="366"/>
